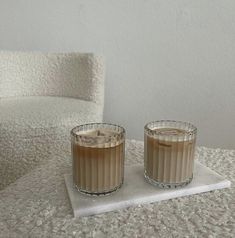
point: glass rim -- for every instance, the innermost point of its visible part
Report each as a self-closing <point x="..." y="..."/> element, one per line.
<point x="122" y="132"/>
<point x="191" y="131"/>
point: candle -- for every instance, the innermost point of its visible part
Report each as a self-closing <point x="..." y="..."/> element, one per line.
<point x="98" y="152"/>
<point x="169" y="153"/>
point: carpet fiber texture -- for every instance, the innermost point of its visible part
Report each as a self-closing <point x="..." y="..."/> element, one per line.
<point x="37" y="205"/>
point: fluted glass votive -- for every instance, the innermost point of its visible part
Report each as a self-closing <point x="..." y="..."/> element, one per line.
<point x="169" y="148"/>
<point x="98" y="152"/>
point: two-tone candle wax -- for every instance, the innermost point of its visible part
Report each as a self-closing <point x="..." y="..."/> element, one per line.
<point x="98" y="152"/>
<point x="169" y="153"/>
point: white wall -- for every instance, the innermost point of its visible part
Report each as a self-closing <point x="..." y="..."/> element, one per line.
<point x="165" y="59"/>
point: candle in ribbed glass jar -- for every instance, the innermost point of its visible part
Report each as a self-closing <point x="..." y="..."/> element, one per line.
<point x="98" y="151"/>
<point x="169" y="153"/>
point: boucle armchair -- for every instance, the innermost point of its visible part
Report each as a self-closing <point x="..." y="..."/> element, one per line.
<point x="43" y="96"/>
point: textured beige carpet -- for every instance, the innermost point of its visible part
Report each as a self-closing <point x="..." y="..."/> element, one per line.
<point x="37" y="205"/>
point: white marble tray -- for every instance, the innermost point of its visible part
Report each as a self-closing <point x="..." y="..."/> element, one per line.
<point x="136" y="190"/>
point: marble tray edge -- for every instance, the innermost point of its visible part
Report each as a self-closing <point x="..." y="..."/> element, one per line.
<point x="148" y="199"/>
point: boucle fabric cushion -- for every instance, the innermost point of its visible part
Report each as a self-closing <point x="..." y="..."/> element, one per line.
<point x="37" y="205"/>
<point x="30" y="127"/>
<point x="52" y="74"/>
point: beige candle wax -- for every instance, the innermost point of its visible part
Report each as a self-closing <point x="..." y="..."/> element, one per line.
<point x="98" y="158"/>
<point x="169" y="153"/>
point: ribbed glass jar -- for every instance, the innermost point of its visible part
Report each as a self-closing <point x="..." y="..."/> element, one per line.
<point x="169" y="148"/>
<point x="98" y="152"/>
